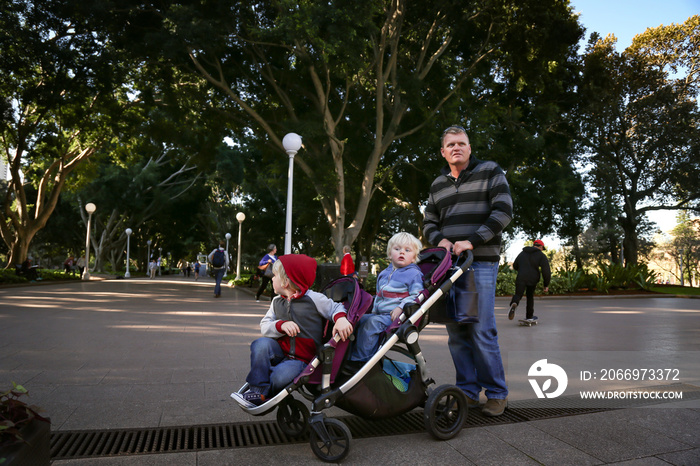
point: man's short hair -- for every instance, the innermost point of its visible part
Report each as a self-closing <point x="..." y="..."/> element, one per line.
<point x="454" y="129"/>
<point x="403" y="239"/>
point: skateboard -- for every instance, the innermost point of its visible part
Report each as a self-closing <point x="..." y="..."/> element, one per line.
<point x="529" y="323"/>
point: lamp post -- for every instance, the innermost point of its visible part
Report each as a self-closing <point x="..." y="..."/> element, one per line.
<point x="128" y="237"/>
<point x="240" y="216"/>
<point x="228" y="258"/>
<point x="148" y="256"/>
<point x="90" y="209"/>
<point x="160" y="260"/>
<point x="292" y="144"/>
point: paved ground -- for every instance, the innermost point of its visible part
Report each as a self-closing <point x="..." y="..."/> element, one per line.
<point x="164" y="352"/>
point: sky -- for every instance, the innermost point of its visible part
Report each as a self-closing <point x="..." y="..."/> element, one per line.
<point x="625" y="19"/>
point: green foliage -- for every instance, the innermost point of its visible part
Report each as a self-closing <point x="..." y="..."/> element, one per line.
<point x="568" y="280"/>
<point x="53" y="274"/>
<point x="370" y="283"/>
<point x="505" y="282"/>
<point x="8" y="276"/>
<point x="645" y="278"/>
<point x="15" y="414"/>
<point x="600" y="283"/>
<point x="614" y="275"/>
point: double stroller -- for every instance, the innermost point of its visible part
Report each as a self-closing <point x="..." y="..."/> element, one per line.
<point x="381" y="387"/>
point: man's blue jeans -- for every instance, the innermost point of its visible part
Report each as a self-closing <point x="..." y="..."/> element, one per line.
<point x="474" y="347"/>
<point x="270" y="370"/>
<point x="219" y="275"/>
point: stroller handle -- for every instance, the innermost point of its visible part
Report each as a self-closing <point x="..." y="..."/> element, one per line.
<point x="468" y="257"/>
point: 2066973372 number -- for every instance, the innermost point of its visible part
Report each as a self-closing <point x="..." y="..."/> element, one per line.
<point x="639" y="374"/>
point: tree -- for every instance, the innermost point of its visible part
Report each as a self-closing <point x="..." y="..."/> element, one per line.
<point x="639" y="125"/>
<point x="61" y="87"/>
<point x="355" y="78"/>
<point x="685" y="247"/>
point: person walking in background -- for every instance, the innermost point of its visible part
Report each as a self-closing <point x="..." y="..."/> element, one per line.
<point x="469" y="205"/>
<point x="528" y="264"/>
<point x="81" y="265"/>
<point x="68" y="265"/>
<point x="153" y="267"/>
<point x="197" y="266"/>
<point x="218" y="259"/>
<point x="347" y="266"/>
<point x="265" y="270"/>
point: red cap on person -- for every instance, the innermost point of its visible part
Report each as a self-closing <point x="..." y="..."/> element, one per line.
<point x="538" y="242"/>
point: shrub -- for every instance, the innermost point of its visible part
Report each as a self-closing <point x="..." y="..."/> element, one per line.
<point x="505" y="282"/>
<point x="9" y="276"/>
<point x="568" y="280"/>
<point x="643" y="277"/>
<point x="15" y="414"/>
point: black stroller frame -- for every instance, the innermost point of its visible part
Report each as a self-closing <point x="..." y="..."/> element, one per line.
<point x="445" y="407"/>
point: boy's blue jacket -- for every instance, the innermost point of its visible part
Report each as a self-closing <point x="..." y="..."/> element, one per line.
<point x="397" y="287"/>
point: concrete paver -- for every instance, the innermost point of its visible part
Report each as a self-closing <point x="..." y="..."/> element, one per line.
<point x="164" y="352"/>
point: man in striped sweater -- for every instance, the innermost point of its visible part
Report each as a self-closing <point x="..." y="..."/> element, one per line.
<point x="468" y="208"/>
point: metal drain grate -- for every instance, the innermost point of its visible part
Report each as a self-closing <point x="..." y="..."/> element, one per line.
<point x="121" y="442"/>
<point x="97" y="443"/>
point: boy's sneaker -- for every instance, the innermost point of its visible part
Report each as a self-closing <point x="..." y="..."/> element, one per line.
<point x="254" y="398"/>
<point x="511" y="313"/>
<point x="249" y="399"/>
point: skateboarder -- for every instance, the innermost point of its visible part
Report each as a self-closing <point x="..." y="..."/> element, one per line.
<point x="528" y="264"/>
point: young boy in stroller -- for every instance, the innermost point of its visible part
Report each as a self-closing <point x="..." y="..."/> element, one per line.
<point x="397" y="286"/>
<point x="292" y="329"/>
<point x="370" y="389"/>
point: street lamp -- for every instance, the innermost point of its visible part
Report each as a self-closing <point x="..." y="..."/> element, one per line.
<point x="240" y="216"/>
<point x="160" y="260"/>
<point x="148" y="256"/>
<point x="292" y="144"/>
<point x="128" y="237"/>
<point x="90" y="209"/>
<point x="228" y="237"/>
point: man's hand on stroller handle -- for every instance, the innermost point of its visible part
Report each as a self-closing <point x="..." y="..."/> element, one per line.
<point x="342" y="328"/>
<point x="457" y="248"/>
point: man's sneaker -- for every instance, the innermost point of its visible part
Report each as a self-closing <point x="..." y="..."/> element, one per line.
<point x="494" y="407"/>
<point x="511" y="313"/>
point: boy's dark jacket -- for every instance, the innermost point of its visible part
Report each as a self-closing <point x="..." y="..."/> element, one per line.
<point x="308" y="309"/>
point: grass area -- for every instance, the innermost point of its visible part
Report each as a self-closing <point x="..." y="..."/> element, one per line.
<point x="676" y="289"/>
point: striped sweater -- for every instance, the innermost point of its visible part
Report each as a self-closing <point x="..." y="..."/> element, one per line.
<point x="476" y="206"/>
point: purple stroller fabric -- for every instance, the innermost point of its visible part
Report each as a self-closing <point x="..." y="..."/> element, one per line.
<point x="357" y="302"/>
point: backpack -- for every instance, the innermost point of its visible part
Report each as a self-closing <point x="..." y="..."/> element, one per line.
<point x="219" y="258"/>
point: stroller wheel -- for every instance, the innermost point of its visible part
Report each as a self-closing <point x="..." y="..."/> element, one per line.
<point x="293" y="417"/>
<point x="445" y="412"/>
<point x="337" y="446"/>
